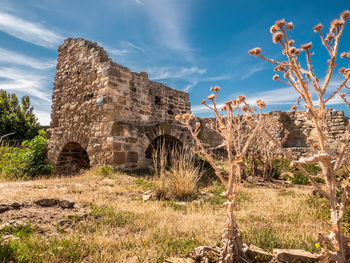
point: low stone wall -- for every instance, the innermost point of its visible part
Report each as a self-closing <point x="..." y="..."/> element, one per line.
<point x="293" y="128"/>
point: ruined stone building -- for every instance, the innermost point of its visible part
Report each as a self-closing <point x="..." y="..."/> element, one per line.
<point x="104" y="114"/>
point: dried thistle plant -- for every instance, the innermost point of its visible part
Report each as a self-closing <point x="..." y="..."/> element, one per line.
<point x="305" y="82"/>
<point x="232" y="118"/>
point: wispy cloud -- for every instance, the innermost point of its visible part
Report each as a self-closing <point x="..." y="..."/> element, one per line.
<point x="132" y="45"/>
<point x="34" y="33"/>
<point x="11" y="57"/>
<point x="174" y="73"/>
<point x="169" y="22"/>
<point x="252" y="71"/>
<point x="28" y="82"/>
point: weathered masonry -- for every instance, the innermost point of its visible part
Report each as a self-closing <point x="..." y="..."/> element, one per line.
<point x="104" y="114"/>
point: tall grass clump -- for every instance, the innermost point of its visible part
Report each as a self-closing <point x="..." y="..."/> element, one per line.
<point x="177" y="173"/>
<point x="315" y="93"/>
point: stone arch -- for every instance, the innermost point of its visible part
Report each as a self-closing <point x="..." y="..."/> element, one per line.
<point x="72" y="158"/>
<point x="167" y="141"/>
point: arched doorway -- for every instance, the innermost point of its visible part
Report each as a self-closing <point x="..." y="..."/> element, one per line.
<point x="161" y="148"/>
<point x="72" y="159"/>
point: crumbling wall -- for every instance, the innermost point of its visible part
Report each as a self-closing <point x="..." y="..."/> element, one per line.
<point x="293" y="128"/>
<point x="107" y="110"/>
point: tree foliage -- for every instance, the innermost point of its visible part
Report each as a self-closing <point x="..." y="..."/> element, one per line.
<point x="17" y="117"/>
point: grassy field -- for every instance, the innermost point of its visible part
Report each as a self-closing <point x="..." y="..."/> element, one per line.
<point x="112" y="223"/>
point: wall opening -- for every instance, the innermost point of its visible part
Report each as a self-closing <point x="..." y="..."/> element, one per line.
<point x="72" y="159"/>
<point x="165" y="143"/>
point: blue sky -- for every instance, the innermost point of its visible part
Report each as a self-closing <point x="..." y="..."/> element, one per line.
<point x="186" y="44"/>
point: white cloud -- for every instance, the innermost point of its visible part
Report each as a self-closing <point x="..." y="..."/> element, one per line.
<point x="28" y="82"/>
<point x="129" y="44"/>
<point x="174" y="73"/>
<point x="189" y="87"/>
<point x="31" y="32"/>
<point x="252" y="71"/>
<point x="44" y="117"/>
<point x="11" y="57"/>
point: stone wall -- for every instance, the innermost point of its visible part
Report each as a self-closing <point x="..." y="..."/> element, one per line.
<point x="108" y="111"/>
<point x="292" y="126"/>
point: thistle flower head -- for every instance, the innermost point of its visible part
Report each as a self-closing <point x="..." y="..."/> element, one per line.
<point x="280" y="23"/>
<point x="217" y="88"/>
<point x="177" y="117"/>
<point x="261" y="103"/>
<point x="330" y="37"/>
<point x="244" y="108"/>
<point x="337" y="22"/>
<point x="211" y="88"/>
<point x="273" y="29"/>
<point x="297" y="52"/>
<point x="223" y="108"/>
<point x="234" y="102"/>
<point x="275" y="77"/>
<point x="341" y="70"/>
<point x="191" y="116"/>
<point x="280" y="68"/>
<point x="344" y="54"/>
<point x="290" y="26"/>
<point x="186" y="116"/>
<point x="306" y="46"/>
<point x="342" y="95"/>
<point x="248" y="117"/>
<point x="198" y="124"/>
<point x="228" y="103"/>
<point x="255" y="51"/>
<point x="211" y="97"/>
<point x="241" y="98"/>
<point x="293" y="108"/>
<point x="309" y="139"/>
<point x="286" y="75"/>
<point x="318" y="28"/>
<point x="292" y="50"/>
<point x="345" y="15"/>
<point x="277" y="37"/>
<point x="203" y="102"/>
<point x="291" y="42"/>
<point x="347" y="74"/>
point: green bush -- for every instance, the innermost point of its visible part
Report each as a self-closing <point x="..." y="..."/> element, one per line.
<point x="27" y="161"/>
<point x="281" y="166"/>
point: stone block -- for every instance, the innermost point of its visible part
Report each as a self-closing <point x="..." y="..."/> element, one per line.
<point x="117" y="130"/>
<point x="119" y="158"/>
<point x="132" y="157"/>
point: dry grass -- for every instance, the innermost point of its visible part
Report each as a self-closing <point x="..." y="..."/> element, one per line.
<point x="178" y="179"/>
<point x="120" y="227"/>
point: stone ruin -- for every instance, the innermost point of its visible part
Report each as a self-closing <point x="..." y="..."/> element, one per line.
<point x="105" y="115"/>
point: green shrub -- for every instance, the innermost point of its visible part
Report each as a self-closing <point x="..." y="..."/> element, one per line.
<point x="27" y="161"/>
<point x="281" y="166"/>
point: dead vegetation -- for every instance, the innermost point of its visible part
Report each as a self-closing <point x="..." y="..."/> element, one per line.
<point x="305" y="81"/>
